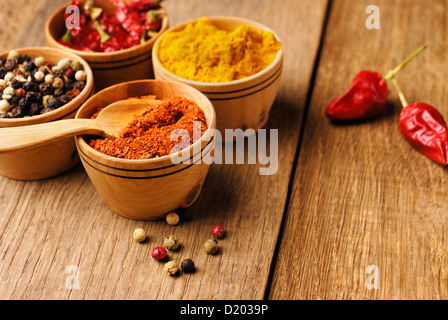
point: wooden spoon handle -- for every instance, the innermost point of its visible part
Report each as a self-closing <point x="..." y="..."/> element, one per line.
<point x="26" y="137"/>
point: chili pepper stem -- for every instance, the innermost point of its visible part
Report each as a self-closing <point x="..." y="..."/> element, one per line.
<point x="403" y="100"/>
<point x="104" y="36"/>
<point x="397" y="69"/>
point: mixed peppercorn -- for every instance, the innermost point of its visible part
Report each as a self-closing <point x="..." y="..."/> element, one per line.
<point x="30" y="87"/>
<point x="171" y="244"/>
<point x="128" y="26"/>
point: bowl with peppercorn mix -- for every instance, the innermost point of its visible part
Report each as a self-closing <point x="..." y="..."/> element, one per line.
<point x="39" y="85"/>
<point x="237" y="63"/>
<point x="114" y="37"/>
<point x="160" y="160"/>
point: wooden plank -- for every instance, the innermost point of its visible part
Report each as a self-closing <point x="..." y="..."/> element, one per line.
<point x="14" y="17"/>
<point x="48" y="226"/>
<point x="362" y="196"/>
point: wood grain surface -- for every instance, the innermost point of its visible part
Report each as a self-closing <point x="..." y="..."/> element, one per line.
<point x="361" y="195"/>
<point x="50" y="228"/>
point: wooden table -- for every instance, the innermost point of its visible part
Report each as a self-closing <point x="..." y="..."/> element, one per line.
<point x="346" y="202"/>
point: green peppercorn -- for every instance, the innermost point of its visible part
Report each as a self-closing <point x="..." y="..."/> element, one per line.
<point x="76" y="66"/>
<point x="171" y="242"/>
<point x="211" y="246"/>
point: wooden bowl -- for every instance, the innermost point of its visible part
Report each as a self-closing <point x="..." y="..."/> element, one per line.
<point x="51" y="159"/>
<point x="148" y="189"/>
<point x="239" y="104"/>
<point x="108" y="68"/>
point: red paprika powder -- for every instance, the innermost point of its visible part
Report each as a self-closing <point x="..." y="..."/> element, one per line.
<point x="150" y="134"/>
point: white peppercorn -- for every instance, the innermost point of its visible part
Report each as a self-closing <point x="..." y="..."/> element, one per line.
<point x="39" y="76"/>
<point x="172" y="268"/>
<point x="39" y="61"/>
<point x="2" y="84"/>
<point x="49" y="78"/>
<point x="9" y="76"/>
<point x="139" y="235"/>
<point x="13" y="54"/>
<point x="172" y="218"/>
<point x="8" y="93"/>
<point x="4" y="106"/>
<point x="81" y="75"/>
<point x="64" y="64"/>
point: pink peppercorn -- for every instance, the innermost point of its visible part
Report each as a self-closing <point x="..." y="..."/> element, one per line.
<point x="159" y="253"/>
<point x="218" y="231"/>
<point x="69" y="73"/>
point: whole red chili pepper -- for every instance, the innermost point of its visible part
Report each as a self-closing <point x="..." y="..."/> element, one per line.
<point x="424" y="128"/>
<point x="367" y="95"/>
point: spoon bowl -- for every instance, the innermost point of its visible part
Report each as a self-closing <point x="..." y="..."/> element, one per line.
<point x="108" y="124"/>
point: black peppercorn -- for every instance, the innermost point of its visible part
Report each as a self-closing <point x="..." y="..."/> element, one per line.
<point x="47" y="110"/>
<point x="10" y="64"/>
<point x="37" y="97"/>
<point x="14" y="101"/>
<point x="187" y="266"/>
<point x="79" y="85"/>
<point x="17" y="112"/>
<point x="35" y="109"/>
<point x="27" y="86"/>
<point x="24" y="103"/>
<point x="63" y="99"/>
<point x="30" y="66"/>
<point x="46" y="88"/>
<point x="24" y="58"/>
<point x="2" y="60"/>
<point x="4" y="116"/>
<point x="58" y="92"/>
<point x="53" y="103"/>
<point x="3" y="72"/>
<point x="16" y="84"/>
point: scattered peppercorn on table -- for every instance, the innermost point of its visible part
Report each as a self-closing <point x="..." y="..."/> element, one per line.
<point x="353" y="212"/>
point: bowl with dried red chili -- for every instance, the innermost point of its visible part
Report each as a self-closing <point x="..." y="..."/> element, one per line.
<point x="39" y="85"/>
<point x="114" y="36"/>
<point x="160" y="160"/>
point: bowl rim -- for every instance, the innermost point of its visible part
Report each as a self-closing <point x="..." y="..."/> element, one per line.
<point x="90" y="55"/>
<point x="258" y="25"/>
<point x="209" y="133"/>
<point x="65" y="109"/>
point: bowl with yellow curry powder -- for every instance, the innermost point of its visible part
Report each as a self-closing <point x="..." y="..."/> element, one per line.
<point x="237" y="63"/>
<point x="160" y="160"/>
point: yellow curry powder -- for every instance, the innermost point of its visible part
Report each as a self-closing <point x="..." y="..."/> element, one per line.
<point x="202" y="52"/>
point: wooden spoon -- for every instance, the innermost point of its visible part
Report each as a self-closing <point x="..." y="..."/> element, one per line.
<point x="108" y="124"/>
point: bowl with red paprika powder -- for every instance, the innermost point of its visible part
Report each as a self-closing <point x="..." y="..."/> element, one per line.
<point x="38" y="85"/>
<point x="114" y="36"/>
<point x="160" y="160"/>
<point x="236" y="62"/>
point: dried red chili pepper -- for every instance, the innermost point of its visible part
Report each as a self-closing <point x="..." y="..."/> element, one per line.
<point x="424" y="128"/>
<point x="124" y="28"/>
<point x="367" y="96"/>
